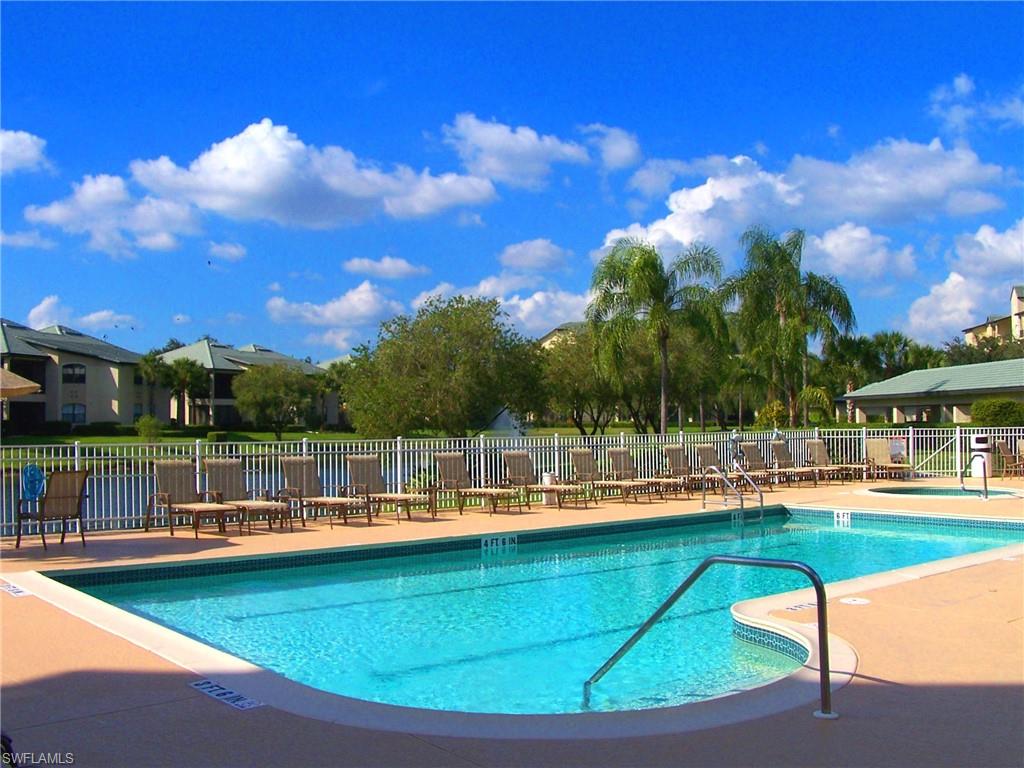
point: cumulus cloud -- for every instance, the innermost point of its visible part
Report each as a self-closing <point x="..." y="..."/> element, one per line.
<point x="990" y="253"/>
<point x="387" y="268"/>
<point x="958" y="108"/>
<point x="105" y="318"/>
<point x="618" y="148"/>
<point x="21" y="151"/>
<point x="441" y="291"/>
<point x="469" y="219"/>
<point x="655" y="177"/>
<point x="534" y="255"/>
<point x="49" y="311"/>
<point x="542" y="311"/>
<point x="29" y="239"/>
<point x="339" y="338"/>
<point x="361" y="305"/>
<point x="950" y="306"/>
<point x="228" y="251"/>
<point x="267" y="173"/>
<point x="856" y="252"/>
<point x="519" y="157"/>
<point x="102" y="207"/>
<point x="896" y="181"/>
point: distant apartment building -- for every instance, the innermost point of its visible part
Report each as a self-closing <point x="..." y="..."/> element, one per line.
<point x="83" y="379"/>
<point x="1000" y="327"/>
<point x="224" y="363"/>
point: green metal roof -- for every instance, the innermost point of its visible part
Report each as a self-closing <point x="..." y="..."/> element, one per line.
<point x="979" y="377"/>
<point x="221" y="357"/>
<point x="17" y="339"/>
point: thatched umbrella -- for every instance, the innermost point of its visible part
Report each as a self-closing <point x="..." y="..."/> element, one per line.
<point x="13" y="385"/>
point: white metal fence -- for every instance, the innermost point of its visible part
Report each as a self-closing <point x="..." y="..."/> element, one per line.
<point x="122" y="480"/>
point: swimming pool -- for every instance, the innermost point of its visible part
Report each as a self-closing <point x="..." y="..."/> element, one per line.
<point x="516" y="626"/>
<point x="945" y="491"/>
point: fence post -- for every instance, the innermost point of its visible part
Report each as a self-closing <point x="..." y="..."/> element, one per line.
<point x="399" y="463"/>
<point x="911" y="452"/>
<point x="78" y="455"/>
<point x="305" y="446"/>
<point x="199" y="464"/>
<point x="483" y="464"/>
<point x="622" y="439"/>
<point x="558" y="459"/>
<point x="958" y="458"/>
<point x="817" y="434"/>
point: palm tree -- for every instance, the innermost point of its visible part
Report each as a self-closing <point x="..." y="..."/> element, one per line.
<point x="154" y="372"/>
<point x="855" y="360"/>
<point x="187" y="379"/>
<point x="632" y="287"/>
<point x="783" y="307"/>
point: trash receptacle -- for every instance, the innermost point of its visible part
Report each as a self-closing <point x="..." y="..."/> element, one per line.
<point x="550" y="498"/>
<point x="981" y="456"/>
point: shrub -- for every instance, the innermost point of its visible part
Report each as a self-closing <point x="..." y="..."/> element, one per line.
<point x="769" y="417"/>
<point x="216" y="436"/>
<point x="97" y="429"/>
<point x="997" y="412"/>
<point x="149" y="428"/>
<point x="49" y="428"/>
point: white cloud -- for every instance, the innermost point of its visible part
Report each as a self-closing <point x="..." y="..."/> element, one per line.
<point x="950" y="306"/>
<point x="339" y="338"/>
<point x="989" y="253"/>
<point x="541" y="311"/>
<point x="469" y="219"/>
<point x="361" y="305"/>
<point x="234" y="318"/>
<point x="228" y="251"/>
<point x="387" y="268"/>
<point x="102" y="207"/>
<point x="856" y="252"/>
<point x="48" y="312"/>
<point x="105" y="318"/>
<point x="441" y="290"/>
<point x="267" y="173"/>
<point x="833" y="130"/>
<point x="540" y="255"/>
<point x="29" y="239"/>
<point x="655" y="177"/>
<point x="274" y="287"/>
<point x="619" y="149"/>
<point x="760" y="148"/>
<point x="21" y="151"/>
<point x="895" y="181"/>
<point x="519" y="157"/>
<point x="956" y="106"/>
<point x="181" y="319"/>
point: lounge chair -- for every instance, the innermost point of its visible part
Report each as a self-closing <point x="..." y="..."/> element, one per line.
<point x="520" y="474"/>
<point x="453" y="476"/>
<point x="784" y="464"/>
<point x="879" y="459"/>
<point x="818" y="457"/>
<point x="758" y="469"/>
<point x="586" y="473"/>
<point x="1012" y="464"/>
<point x="304" y="489"/>
<point x="624" y="468"/>
<point x="62" y="500"/>
<point x="177" y="494"/>
<point x="225" y="479"/>
<point x="679" y="467"/>
<point x="707" y="455"/>
<point x="366" y="478"/>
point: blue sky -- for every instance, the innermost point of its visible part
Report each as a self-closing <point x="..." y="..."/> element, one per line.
<point x="292" y="174"/>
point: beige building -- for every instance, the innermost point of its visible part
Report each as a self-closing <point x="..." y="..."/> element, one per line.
<point x="1009" y="326"/>
<point x="83" y="379"/>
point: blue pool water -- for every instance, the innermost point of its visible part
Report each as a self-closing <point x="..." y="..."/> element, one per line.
<point x="519" y="631"/>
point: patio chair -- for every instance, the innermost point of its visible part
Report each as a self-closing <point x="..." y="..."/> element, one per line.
<point x="784" y="463"/>
<point x="818" y="457"/>
<point x="225" y="480"/>
<point x="62" y="500"/>
<point x="304" y="489"/>
<point x="879" y="459"/>
<point x="707" y="455"/>
<point x="586" y="473"/>
<point x="1012" y="464"/>
<point x="176" y="493"/>
<point x="366" y="478"/>
<point x="520" y="474"/>
<point x="754" y="464"/>
<point x="679" y="468"/>
<point x="624" y="468"/>
<point x="453" y="476"/>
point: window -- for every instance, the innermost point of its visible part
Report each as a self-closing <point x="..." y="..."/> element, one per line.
<point x="73" y="413"/>
<point x="74" y="373"/>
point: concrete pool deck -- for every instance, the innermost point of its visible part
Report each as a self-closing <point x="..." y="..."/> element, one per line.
<point x="939" y="678"/>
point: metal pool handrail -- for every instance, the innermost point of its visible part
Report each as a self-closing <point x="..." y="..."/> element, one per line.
<point x="755" y="486"/>
<point x="984" y="476"/>
<point x="793" y="565"/>
<point x="712" y="469"/>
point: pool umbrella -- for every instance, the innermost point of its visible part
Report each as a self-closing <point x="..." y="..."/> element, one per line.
<point x="13" y="385"/>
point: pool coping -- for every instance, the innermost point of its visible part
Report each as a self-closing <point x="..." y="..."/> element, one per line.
<point x="797" y="689"/>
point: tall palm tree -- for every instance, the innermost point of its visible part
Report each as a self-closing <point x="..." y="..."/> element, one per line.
<point x="187" y="379"/>
<point x="855" y="361"/>
<point x="633" y="287"/>
<point x="782" y="306"/>
<point x="154" y="372"/>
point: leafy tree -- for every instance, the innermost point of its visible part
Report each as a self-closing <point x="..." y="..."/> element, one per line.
<point x="449" y="369"/>
<point x="187" y="379"/>
<point x="634" y="288"/>
<point x="576" y="384"/>
<point x="149" y="428"/>
<point x="773" y="413"/>
<point x="154" y="372"/>
<point x="986" y="350"/>
<point x="172" y="343"/>
<point x="273" y="396"/>
<point x="853" y="362"/>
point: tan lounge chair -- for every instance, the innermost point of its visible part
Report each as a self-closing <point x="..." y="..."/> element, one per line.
<point x="176" y="493"/>
<point x="624" y="468"/>
<point x="1012" y="464"/>
<point x="818" y="457"/>
<point x="707" y="455"/>
<point x="586" y="473"/>
<point x="879" y="459"/>
<point x="757" y="467"/>
<point x="62" y="500"/>
<point x="520" y="474"/>
<point x="679" y="468"/>
<point x="367" y="478"/>
<point x="225" y="479"/>
<point x="451" y="469"/>
<point x="786" y="467"/>
<point x="303" y="488"/>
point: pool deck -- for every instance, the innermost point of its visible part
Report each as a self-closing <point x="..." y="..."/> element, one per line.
<point x="939" y="679"/>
